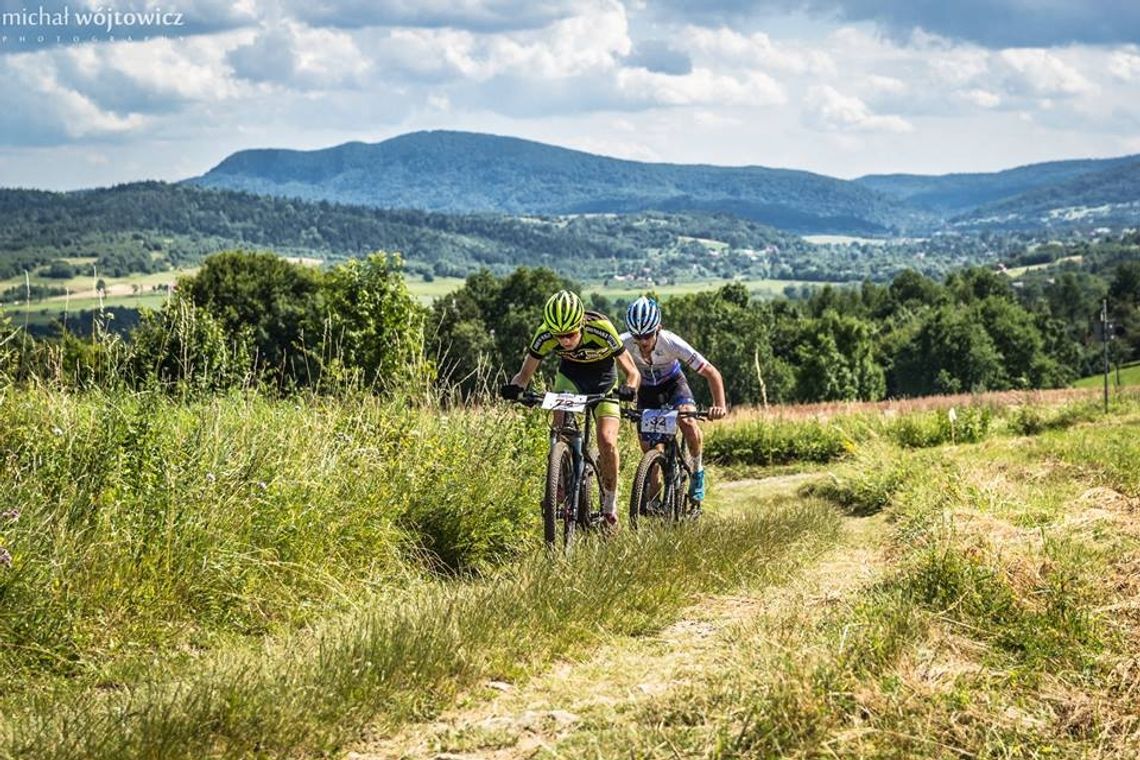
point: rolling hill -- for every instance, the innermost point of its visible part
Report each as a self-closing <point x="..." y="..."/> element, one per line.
<point x="181" y="223"/>
<point x="1108" y="197"/>
<point x="466" y="172"/>
<point x="956" y="194"/>
<point x="463" y="172"/>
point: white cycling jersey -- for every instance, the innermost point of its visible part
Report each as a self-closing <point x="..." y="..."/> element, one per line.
<point x="664" y="362"/>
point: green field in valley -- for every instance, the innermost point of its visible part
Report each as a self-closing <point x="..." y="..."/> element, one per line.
<point x="429" y="291"/>
<point x="1129" y="375"/>
<point x="138" y="290"/>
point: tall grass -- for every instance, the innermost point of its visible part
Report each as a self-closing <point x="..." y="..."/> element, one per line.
<point x="403" y="653"/>
<point x="135" y="522"/>
<point x="982" y="639"/>
<point x="829" y="432"/>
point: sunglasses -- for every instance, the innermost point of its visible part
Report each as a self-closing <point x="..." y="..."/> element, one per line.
<point x="566" y="336"/>
<point x="641" y="338"/>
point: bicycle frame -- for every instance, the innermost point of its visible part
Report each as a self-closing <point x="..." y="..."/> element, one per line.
<point x="675" y="465"/>
<point x="577" y="440"/>
<point x="670" y="455"/>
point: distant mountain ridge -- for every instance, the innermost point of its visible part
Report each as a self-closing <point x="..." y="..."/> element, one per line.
<point x="467" y="172"/>
<point x="954" y="194"/>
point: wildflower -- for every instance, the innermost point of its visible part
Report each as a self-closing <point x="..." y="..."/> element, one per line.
<point x="5" y="557"/>
<point x="56" y="431"/>
<point x="12" y="515"/>
<point x="210" y="477"/>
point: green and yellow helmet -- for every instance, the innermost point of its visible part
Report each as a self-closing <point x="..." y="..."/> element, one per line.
<point x="563" y="313"/>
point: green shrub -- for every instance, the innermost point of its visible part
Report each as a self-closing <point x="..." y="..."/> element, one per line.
<point x="767" y="442"/>
<point x="864" y="486"/>
<point x="968" y="424"/>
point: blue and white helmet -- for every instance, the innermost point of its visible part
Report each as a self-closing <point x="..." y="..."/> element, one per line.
<point x="643" y="316"/>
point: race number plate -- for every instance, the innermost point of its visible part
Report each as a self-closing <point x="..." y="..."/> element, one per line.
<point x="564" y="402"/>
<point x="659" y="421"/>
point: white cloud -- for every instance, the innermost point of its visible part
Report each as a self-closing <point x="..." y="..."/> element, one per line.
<point x="958" y="67"/>
<point x="40" y="109"/>
<point x="592" y="40"/>
<point x="981" y="98"/>
<point x="828" y="109"/>
<point x="734" y="49"/>
<point x="700" y="87"/>
<point x="1125" y="66"/>
<point x="706" y="117"/>
<point x="1040" y="72"/>
<point x="300" y="57"/>
<point x="182" y="71"/>
<point x="886" y="85"/>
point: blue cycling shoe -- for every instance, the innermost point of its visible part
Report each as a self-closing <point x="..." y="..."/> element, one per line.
<point x="697" y="486"/>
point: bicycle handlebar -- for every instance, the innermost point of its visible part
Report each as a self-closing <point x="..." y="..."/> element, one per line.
<point x="531" y="398"/>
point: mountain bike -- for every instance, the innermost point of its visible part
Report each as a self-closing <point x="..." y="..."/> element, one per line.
<point x="572" y="499"/>
<point x="661" y="485"/>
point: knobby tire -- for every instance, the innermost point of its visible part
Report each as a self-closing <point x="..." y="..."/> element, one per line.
<point x="556" y="503"/>
<point x="651" y="467"/>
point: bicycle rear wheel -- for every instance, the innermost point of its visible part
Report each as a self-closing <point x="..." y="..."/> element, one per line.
<point x="558" y="502"/>
<point x="648" y="498"/>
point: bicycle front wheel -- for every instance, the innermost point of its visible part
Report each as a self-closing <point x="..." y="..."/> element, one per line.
<point x="557" y="504"/>
<point x="682" y="504"/>
<point x="589" y="493"/>
<point x="647" y="500"/>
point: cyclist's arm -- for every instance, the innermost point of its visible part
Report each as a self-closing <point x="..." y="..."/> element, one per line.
<point x="526" y="372"/>
<point x="629" y="369"/>
<point x="716" y="385"/>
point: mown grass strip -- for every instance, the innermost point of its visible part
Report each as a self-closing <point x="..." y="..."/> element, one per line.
<point x="984" y="638"/>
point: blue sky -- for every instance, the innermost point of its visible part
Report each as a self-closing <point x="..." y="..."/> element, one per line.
<point x="839" y="87"/>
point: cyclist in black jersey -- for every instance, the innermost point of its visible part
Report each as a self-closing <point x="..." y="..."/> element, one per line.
<point x="589" y="348"/>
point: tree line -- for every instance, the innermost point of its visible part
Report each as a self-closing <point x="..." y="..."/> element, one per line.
<point x="913" y="336"/>
<point x="258" y="319"/>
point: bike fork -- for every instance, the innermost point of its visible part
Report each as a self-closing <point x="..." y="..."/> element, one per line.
<point x="576" y="481"/>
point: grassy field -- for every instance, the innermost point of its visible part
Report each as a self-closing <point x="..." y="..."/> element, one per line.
<point x="1015" y="272"/>
<point x="239" y="576"/>
<point x="428" y="291"/>
<point x="137" y="290"/>
<point x="1129" y="375"/>
<point x="120" y="291"/>
<point x="134" y="291"/>
<point x="115" y="285"/>
<point x="762" y="288"/>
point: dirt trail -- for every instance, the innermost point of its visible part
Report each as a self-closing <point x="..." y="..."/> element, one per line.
<point x="501" y="721"/>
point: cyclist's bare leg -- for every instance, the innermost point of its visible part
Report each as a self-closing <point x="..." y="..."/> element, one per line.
<point x="608" y="460"/>
<point x="692" y="433"/>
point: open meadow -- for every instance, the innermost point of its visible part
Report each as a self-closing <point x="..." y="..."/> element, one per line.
<point x="236" y="576"/>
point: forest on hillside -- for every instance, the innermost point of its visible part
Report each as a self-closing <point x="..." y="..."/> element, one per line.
<point x="257" y="318"/>
<point x="153" y="226"/>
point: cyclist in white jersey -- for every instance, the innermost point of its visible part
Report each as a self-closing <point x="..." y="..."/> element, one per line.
<point x="658" y="355"/>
